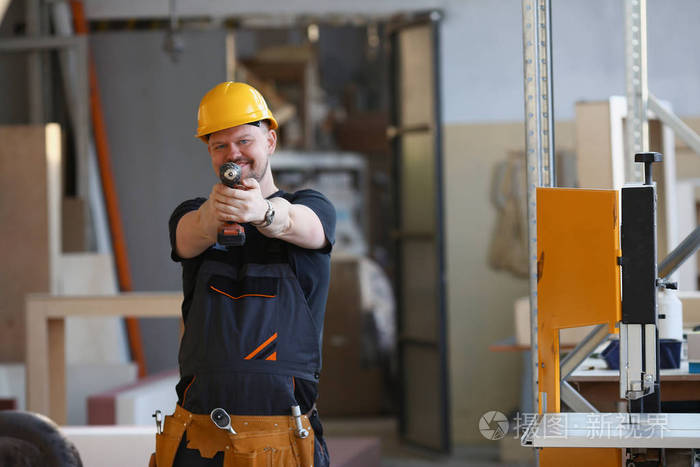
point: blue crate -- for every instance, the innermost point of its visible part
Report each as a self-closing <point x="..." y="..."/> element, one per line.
<point x="670" y="354"/>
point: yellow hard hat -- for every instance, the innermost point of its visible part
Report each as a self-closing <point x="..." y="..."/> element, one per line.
<point x="230" y="104"/>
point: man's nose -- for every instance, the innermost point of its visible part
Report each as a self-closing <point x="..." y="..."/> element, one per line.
<point x="232" y="153"/>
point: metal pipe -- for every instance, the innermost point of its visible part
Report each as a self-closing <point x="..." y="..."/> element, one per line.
<point x="575" y="400"/>
<point x="670" y="119"/>
<point x="34" y="64"/>
<point x="584" y="348"/>
<point x="27" y="44"/>
<point x="682" y="252"/>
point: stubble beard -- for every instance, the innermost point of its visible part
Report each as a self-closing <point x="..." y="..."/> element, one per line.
<point x="258" y="176"/>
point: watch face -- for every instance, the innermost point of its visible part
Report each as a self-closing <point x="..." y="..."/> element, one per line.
<point x="269" y="215"/>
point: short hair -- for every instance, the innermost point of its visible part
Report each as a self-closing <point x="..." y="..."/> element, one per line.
<point x="263" y="124"/>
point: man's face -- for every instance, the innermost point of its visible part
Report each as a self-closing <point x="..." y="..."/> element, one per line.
<point x="248" y="146"/>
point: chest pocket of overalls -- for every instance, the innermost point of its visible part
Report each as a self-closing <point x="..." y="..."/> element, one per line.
<point x="242" y="309"/>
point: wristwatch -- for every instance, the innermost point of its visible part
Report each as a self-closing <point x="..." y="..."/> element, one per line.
<point x="269" y="216"/>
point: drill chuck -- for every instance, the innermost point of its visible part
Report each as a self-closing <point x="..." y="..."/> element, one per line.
<point x="230" y="174"/>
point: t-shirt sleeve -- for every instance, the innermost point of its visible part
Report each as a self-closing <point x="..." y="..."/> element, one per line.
<point x="181" y="210"/>
<point x="325" y="211"/>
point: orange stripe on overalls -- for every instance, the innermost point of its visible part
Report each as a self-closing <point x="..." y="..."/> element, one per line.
<point x="262" y="346"/>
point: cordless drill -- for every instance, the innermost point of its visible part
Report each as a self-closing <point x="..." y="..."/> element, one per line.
<point x="232" y="234"/>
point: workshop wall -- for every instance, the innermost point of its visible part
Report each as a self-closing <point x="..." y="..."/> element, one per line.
<point x="480" y="300"/>
<point x="482" y="74"/>
<point x="150" y="106"/>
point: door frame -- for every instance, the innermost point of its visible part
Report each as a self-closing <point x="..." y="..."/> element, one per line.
<point x="394" y="27"/>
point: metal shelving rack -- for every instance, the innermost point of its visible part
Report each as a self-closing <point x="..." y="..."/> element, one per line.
<point x="637" y="128"/>
<point x="539" y="138"/>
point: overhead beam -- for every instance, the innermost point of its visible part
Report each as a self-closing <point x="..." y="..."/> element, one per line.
<point x="25" y="44"/>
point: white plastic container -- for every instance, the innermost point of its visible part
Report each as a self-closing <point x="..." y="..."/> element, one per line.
<point x="670" y="315"/>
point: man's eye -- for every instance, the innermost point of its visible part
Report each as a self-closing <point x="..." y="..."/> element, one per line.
<point x="220" y="146"/>
<point x="243" y="141"/>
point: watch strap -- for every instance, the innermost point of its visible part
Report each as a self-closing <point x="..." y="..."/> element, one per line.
<point x="269" y="216"/>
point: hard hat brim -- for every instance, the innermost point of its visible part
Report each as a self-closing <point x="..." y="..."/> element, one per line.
<point x="202" y="133"/>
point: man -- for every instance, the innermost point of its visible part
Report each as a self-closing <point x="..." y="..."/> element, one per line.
<point x="253" y="313"/>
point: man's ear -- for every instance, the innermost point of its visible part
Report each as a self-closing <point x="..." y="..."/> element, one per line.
<point x="271" y="141"/>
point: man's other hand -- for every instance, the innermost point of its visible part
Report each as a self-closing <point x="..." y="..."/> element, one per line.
<point x="242" y="204"/>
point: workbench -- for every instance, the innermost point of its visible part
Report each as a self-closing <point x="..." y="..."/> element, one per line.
<point x="46" y="337"/>
<point x="601" y="386"/>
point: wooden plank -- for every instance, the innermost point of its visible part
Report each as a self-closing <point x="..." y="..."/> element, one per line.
<point x="593" y="145"/>
<point x="74" y="237"/>
<point x="665" y="178"/>
<point x="54" y="185"/>
<point x="135" y="304"/>
<point x="57" y="370"/>
<point x="691" y="308"/>
<point x="37" y="351"/>
<point x="24" y="229"/>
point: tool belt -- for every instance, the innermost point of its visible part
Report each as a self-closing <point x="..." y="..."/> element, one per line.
<point x="259" y="440"/>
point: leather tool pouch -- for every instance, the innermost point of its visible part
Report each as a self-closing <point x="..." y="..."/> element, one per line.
<point x="167" y="442"/>
<point x="260" y="441"/>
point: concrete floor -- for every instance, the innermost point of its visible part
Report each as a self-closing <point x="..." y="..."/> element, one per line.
<point x="396" y="454"/>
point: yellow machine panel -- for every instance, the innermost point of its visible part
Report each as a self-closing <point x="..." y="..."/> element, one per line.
<point x="578" y="284"/>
